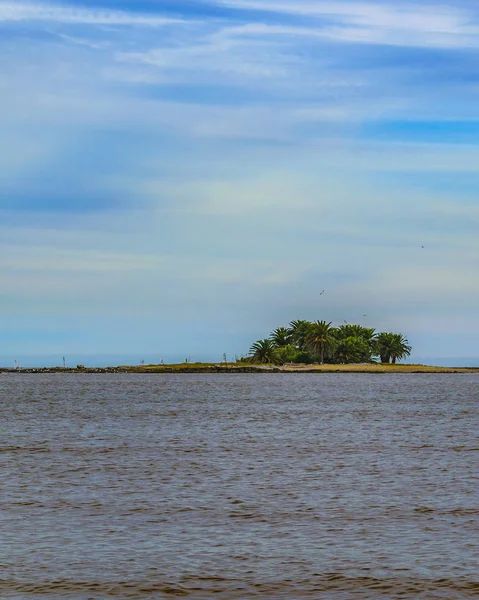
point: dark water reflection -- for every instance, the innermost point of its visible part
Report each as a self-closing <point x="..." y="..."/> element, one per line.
<point x="238" y="486"/>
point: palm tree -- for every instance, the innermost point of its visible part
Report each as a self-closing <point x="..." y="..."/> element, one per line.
<point x="383" y="346"/>
<point x="367" y="334"/>
<point x="299" y="331"/>
<point x="400" y="348"/>
<point x="352" y="350"/>
<point x="320" y="335"/>
<point x="281" y="337"/>
<point x="350" y="330"/>
<point x="392" y="347"/>
<point x="262" y="351"/>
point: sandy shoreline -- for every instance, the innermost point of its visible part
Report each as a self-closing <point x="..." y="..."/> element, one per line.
<point x="230" y="368"/>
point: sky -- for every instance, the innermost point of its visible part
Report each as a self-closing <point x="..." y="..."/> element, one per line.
<point x="179" y="177"/>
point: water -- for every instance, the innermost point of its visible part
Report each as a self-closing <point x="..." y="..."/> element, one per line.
<point x="332" y="486"/>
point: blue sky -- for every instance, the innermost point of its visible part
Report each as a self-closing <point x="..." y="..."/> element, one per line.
<point x="178" y="178"/>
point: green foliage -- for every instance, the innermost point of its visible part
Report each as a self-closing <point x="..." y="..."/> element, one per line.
<point x="304" y="357"/>
<point x="307" y="342"/>
<point x="299" y="331"/>
<point x="345" y="331"/>
<point x="281" y="337"/>
<point x="263" y="351"/>
<point x="320" y="335"/>
<point x="290" y="354"/>
<point x="285" y="354"/>
<point x="391" y="347"/>
<point x="353" y="349"/>
<point x="364" y="344"/>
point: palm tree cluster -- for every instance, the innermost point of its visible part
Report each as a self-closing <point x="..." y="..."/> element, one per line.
<point x="320" y="342"/>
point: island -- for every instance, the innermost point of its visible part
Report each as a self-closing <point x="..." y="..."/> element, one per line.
<point x="301" y="347"/>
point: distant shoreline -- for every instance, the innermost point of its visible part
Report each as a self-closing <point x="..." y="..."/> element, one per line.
<point x="234" y="368"/>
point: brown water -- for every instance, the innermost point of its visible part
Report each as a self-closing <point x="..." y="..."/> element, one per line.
<point x="331" y="486"/>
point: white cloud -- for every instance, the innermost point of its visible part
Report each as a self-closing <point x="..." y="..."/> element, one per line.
<point x="437" y="18"/>
<point x="372" y="23"/>
<point x="54" y="13"/>
<point x="241" y="150"/>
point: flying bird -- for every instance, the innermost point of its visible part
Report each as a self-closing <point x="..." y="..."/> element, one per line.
<point x="321" y="293"/>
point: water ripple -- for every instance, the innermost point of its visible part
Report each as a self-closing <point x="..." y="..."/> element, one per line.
<point x="238" y="486"/>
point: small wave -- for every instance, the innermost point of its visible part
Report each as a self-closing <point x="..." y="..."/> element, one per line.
<point x="424" y="510"/>
<point x="24" y="449"/>
<point x="463" y="511"/>
<point x="233" y="588"/>
<point x="453" y="511"/>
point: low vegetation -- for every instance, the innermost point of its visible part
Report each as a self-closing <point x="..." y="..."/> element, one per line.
<point x="307" y="342"/>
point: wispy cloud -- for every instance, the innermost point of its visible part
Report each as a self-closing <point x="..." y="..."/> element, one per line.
<point x="180" y="161"/>
<point x="56" y="13"/>
<point x="374" y="23"/>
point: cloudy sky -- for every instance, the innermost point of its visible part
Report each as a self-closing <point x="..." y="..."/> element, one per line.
<point x="178" y="177"/>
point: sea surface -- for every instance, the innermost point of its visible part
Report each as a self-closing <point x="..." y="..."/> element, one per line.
<point x="333" y="486"/>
